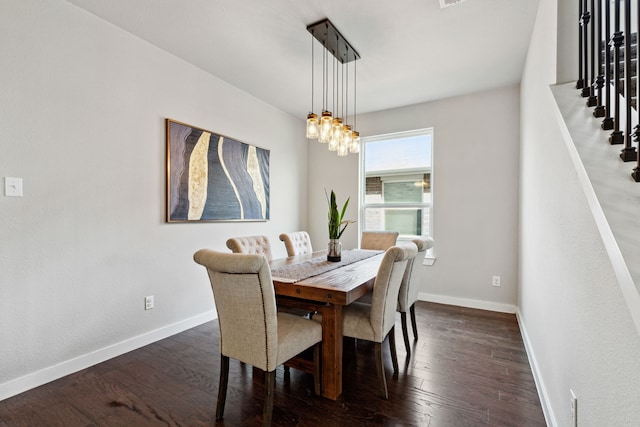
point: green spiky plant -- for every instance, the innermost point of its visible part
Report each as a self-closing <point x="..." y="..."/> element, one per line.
<point x="337" y="223"/>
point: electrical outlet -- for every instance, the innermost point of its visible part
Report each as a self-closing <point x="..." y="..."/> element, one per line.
<point x="495" y="281"/>
<point x="12" y="187"/>
<point x="574" y="409"/>
<point x="149" y="302"/>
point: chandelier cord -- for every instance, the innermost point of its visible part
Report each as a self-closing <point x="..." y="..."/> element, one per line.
<point x="324" y="79"/>
<point x="346" y="96"/>
<point x="355" y="94"/>
<point x="312" y="70"/>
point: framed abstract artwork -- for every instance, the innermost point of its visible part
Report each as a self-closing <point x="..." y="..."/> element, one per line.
<point x="211" y="177"/>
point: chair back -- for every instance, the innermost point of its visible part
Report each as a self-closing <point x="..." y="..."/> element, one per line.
<point x="246" y="305"/>
<point x="410" y="285"/>
<point x="297" y="243"/>
<point x="251" y="245"/>
<point x="385" y="289"/>
<point x="378" y="240"/>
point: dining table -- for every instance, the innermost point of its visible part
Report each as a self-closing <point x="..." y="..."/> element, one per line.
<point x="312" y="283"/>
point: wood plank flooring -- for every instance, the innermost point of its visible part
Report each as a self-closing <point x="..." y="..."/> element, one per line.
<point x="468" y="368"/>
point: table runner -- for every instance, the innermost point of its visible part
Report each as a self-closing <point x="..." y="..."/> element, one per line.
<point x="292" y="273"/>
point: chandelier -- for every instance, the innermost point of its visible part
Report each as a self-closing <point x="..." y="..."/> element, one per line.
<point x="337" y="129"/>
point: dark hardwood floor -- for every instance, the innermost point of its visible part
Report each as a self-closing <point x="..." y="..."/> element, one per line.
<point x="468" y="368"/>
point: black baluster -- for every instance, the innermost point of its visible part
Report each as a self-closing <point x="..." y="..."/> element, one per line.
<point x="607" y="123"/>
<point x="617" y="137"/>
<point x="599" y="111"/>
<point x="592" y="101"/>
<point x="586" y="17"/>
<point x="580" y="82"/>
<point x="628" y="153"/>
<point x="636" y="171"/>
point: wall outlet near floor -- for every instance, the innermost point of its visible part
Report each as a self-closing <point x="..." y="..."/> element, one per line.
<point x="574" y="409"/>
<point x="495" y="281"/>
<point x="149" y="303"/>
<point x="12" y="187"/>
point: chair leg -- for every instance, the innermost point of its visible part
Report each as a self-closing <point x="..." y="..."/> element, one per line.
<point x="269" y="387"/>
<point x="392" y="347"/>
<point x="380" y="367"/>
<point x="405" y="332"/>
<point x="222" y="388"/>
<point x="412" y="309"/>
<point x="316" y="369"/>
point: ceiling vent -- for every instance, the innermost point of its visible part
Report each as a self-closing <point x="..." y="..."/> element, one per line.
<point x="447" y="3"/>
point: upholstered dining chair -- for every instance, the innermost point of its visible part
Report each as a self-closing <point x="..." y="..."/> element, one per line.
<point x="408" y="294"/>
<point x="297" y="243"/>
<point x="251" y="329"/>
<point x="379" y="240"/>
<point x="376" y="321"/>
<point x="251" y="245"/>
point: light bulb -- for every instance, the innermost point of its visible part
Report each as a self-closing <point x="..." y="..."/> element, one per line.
<point x="326" y="122"/>
<point x="336" y="133"/>
<point x="337" y="130"/>
<point x="347" y="136"/>
<point x="355" y="142"/>
<point x="312" y="126"/>
<point x="343" y="149"/>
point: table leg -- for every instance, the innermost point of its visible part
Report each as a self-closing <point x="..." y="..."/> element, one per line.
<point x="331" y="350"/>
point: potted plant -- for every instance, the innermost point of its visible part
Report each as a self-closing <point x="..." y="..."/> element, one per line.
<point x="337" y="225"/>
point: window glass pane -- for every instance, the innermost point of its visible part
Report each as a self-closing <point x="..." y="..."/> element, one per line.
<point x="407" y="221"/>
<point x="401" y="153"/>
<point x="402" y="192"/>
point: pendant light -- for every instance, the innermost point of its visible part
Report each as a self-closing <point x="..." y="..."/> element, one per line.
<point x="339" y="134"/>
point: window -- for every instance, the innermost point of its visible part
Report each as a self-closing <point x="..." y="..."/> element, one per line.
<point x="396" y="183"/>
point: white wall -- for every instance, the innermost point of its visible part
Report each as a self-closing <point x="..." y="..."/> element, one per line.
<point x="475" y="193"/>
<point x="82" y="109"/>
<point x="577" y="326"/>
<point x="567" y="45"/>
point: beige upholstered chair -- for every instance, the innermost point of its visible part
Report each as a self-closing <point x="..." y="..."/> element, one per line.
<point x="251" y="245"/>
<point x="297" y="243"/>
<point x="375" y="322"/>
<point x="380" y="240"/>
<point x="251" y="330"/>
<point x="408" y="294"/>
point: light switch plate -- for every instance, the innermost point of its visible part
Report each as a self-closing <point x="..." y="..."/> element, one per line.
<point x="12" y="187"/>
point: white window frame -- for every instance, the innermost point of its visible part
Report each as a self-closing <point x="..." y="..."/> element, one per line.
<point x="430" y="259"/>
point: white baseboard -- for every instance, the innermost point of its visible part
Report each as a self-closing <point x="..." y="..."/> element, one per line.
<point x="537" y="376"/>
<point x="51" y="373"/>
<point x="470" y="303"/>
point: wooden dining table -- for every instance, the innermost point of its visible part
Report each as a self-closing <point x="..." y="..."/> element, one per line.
<point x="327" y="293"/>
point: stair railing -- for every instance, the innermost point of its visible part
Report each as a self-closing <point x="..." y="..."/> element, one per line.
<point x="611" y="88"/>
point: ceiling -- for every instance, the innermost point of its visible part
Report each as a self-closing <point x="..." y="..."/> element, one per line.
<point x="411" y="51"/>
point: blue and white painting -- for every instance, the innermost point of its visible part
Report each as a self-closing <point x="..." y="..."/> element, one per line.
<point x="211" y="177"/>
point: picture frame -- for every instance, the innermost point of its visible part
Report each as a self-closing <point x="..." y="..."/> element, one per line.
<point x="212" y="177"/>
